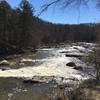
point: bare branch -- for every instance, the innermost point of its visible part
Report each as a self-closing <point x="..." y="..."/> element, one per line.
<point x="64" y="4"/>
<point x="46" y="6"/>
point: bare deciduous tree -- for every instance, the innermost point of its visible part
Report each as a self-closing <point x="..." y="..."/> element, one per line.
<point x="64" y="3"/>
<point x="68" y="3"/>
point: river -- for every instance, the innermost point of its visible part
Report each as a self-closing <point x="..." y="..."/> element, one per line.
<point x="50" y="69"/>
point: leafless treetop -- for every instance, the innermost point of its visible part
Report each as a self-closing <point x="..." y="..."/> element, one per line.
<point x="67" y="3"/>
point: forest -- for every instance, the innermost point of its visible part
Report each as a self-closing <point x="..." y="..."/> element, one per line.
<point x="21" y="30"/>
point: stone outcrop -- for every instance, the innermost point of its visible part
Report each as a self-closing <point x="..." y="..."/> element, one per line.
<point x="71" y="64"/>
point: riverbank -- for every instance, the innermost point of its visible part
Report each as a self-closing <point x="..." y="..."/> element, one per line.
<point x="88" y="90"/>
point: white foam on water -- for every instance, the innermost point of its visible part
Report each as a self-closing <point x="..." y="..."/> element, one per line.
<point x="52" y="66"/>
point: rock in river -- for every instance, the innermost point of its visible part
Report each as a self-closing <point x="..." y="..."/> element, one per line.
<point x="30" y="81"/>
<point x="4" y="62"/>
<point x="71" y="64"/>
<point x="80" y="68"/>
<point x="5" y="68"/>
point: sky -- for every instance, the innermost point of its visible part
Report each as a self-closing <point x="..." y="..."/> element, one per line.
<point x="64" y="16"/>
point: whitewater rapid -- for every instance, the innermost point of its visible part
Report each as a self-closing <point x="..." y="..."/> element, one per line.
<point x="53" y="65"/>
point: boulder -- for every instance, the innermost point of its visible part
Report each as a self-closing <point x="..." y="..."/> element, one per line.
<point x="29" y="62"/>
<point x="71" y="64"/>
<point x="5" y="68"/>
<point x="4" y="62"/>
<point x="7" y="63"/>
<point x="80" y="68"/>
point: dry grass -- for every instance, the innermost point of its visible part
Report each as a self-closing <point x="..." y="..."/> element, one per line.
<point x="87" y="91"/>
<point x="87" y="94"/>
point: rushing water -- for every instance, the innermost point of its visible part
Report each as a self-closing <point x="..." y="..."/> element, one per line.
<point x="47" y="62"/>
<point x="16" y="89"/>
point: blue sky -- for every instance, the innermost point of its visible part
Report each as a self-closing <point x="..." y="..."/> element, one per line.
<point x="67" y="16"/>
